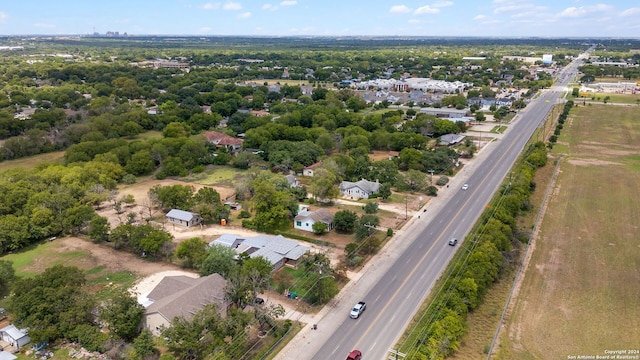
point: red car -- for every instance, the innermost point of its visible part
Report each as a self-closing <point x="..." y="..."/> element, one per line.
<point x="355" y="355"/>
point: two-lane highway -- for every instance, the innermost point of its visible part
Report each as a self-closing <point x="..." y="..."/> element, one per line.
<point x="395" y="298"/>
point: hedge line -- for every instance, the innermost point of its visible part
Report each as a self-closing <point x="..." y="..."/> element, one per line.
<point x="442" y="327"/>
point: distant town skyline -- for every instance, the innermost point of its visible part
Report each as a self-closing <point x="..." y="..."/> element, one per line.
<point x="488" y="18"/>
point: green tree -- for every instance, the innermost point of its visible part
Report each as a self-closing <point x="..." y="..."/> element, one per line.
<point x="52" y="304"/>
<point x="319" y="228"/>
<point x="122" y="314"/>
<point x="385" y="191"/>
<point x="220" y="260"/>
<point x="176" y="130"/>
<point x="173" y="196"/>
<point x="144" y="344"/>
<point x="77" y="218"/>
<point x="345" y="220"/>
<point x="371" y="207"/>
<point x="192" y="252"/>
<point x="323" y="185"/>
<point x="99" y="229"/>
<point x="7" y="275"/>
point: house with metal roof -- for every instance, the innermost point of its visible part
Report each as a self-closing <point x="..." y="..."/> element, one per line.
<point x="278" y="250"/>
<point x="5" y="355"/>
<point x="305" y="219"/>
<point x="292" y="180"/>
<point x="183" y="218"/>
<point x="16" y="338"/>
<point x="450" y="139"/>
<point x="359" y="190"/>
<point x="183" y="296"/>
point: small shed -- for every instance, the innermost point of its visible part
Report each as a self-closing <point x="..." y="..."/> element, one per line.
<point x="183" y="218"/>
<point x="14" y="336"/>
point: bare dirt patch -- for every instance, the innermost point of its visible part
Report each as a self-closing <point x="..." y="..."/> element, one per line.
<point x="590" y="162"/>
<point x="100" y="255"/>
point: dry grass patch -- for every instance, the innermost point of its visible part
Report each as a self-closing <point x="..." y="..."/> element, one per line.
<point x="580" y="293"/>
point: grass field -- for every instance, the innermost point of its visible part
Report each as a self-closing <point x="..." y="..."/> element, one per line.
<point x="580" y="294"/>
<point x="613" y="98"/>
<point x="31" y="161"/>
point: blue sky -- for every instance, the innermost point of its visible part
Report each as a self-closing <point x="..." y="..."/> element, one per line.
<point x="501" y="18"/>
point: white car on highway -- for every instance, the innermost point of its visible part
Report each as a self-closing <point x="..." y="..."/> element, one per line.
<point x="465" y="186"/>
<point x="357" y="310"/>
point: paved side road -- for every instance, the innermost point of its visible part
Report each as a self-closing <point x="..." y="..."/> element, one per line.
<point x="308" y="341"/>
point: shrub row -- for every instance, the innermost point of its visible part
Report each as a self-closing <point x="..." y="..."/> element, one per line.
<point x="486" y="253"/>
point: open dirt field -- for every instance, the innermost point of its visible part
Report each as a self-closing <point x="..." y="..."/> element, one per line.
<point x="579" y="295"/>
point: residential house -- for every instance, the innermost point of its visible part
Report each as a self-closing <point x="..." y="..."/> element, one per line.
<point x="359" y="190"/>
<point x="278" y="250"/>
<point x="183" y="218"/>
<point x="444" y="112"/>
<point x="292" y="180"/>
<point x="15" y="337"/>
<point x="309" y="170"/>
<point x="305" y="219"/>
<point x="5" y="355"/>
<point x="223" y="140"/>
<point x="182" y="296"/>
<point x="450" y="139"/>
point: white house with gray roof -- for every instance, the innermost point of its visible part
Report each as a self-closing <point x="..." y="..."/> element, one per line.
<point x="183" y="218"/>
<point x="450" y="139"/>
<point x="15" y="338"/>
<point x="278" y="250"/>
<point x="305" y="219"/>
<point x="359" y="190"/>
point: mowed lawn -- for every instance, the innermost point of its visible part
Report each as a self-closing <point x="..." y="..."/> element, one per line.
<point x="581" y="293"/>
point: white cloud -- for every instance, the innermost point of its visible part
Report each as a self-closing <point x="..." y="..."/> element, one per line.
<point x="269" y="7"/>
<point x="288" y="3"/>
<point x="480" y="17"/>
<point x="232" y="6"/>
<point x="426" y="10"/>
<point x="441" y="4"/>
<point x="630" y="12"/>
<point x="3" y="17"/>
<point x="211" y="6"/>
<point x="510" y="8"/>
<point x="575" y="12"/>
<point x="399" y="9"/>
<point x="244" y="15"/>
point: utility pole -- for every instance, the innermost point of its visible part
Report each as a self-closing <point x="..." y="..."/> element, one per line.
<point x="395" y="354"/>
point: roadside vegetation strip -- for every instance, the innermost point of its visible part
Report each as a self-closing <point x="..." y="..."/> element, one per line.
<point x="438" y="329"/>
<point x="524" y="262"/>
<point x="584" y="269"/>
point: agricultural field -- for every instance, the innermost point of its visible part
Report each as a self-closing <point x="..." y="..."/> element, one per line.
<point x="580" y="295"/>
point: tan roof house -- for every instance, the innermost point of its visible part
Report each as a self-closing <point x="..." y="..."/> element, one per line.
<point x="223" y="140"/>
<point x="183" y="296"/>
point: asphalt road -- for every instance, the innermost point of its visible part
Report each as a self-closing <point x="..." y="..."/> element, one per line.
<point x="396" y="296"/>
